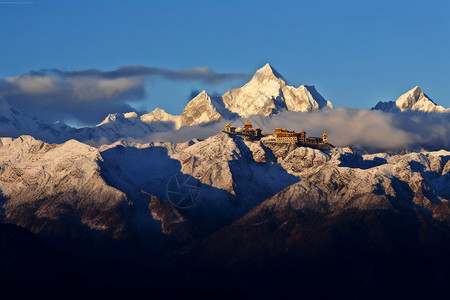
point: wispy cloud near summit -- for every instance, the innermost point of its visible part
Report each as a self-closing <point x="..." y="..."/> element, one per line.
<point x="87" y="96"/>
<point x="204" y="74"/>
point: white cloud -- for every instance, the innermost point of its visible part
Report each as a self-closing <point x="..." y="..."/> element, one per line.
<point x="371" y="130"/>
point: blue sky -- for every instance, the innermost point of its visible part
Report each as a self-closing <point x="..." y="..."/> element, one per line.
<point x="356" y="53"/>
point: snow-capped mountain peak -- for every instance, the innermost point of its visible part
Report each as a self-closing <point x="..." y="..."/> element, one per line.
<point x="199" y="110"/>
<point x="267" y="93"/>
<point x="13" y="123"/>
<point x="131" y="114"/>
<point x="415" y="99"/>
<point x="267" y="73"/>
<point x="111" y="118"/>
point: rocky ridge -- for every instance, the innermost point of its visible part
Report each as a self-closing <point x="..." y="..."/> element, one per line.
<point x="267" y="93"/>
<point x="413" y="100"/>
<point x="73" y="188"/>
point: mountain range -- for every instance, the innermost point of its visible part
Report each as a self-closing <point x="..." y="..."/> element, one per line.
<point x="265" y="95"/>
<point x="226" y="202"/>
<point x="269" y="220"/>
<point x="76" y="189"/>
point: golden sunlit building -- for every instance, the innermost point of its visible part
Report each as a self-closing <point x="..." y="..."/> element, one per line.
<point x="280" y="136"/>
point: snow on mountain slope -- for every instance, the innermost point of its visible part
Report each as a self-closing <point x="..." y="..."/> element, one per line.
<point x="413" y="100"/>
<point x="230" y="175"/>
<point x="59" y="190"/>
<point x="267" y="93"/>
<point x="345" y="206"/>
<point x="159" y="117"/>
<point x="113" y="128"/>
<point x="342" y="179"/>
<point x="110" y="189"/>
<point x="125" y="126"/>
<point x="199" y="110"/>
<point x="15" y="123"/>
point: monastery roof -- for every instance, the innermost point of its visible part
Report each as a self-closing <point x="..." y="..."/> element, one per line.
<point x="248" y="123"/>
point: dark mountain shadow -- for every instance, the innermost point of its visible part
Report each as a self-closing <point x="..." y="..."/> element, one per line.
<point x="139" y="172"/>
<point x="420" y="168"/>
<point x="30" y="269"/>
<point x="434" y="184"/>
<point x="151" y="171"/>
<point x="388" y="106"/>
<point x="2" y="203"/>
<point x="352" y="255"/>
<point x="257" y="181"/>
<point x="69" y="233"/>
<point x="356" y="161"/>
<point x="219" y="105"/>
<point x="270" y="156"/>
<point x="318" y="97"/>
<point x="280" y="103"/>
<point x="404" y="195"/>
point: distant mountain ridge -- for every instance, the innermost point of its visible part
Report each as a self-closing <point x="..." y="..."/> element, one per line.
<point x="265" y="94"/>
<point x="413" y="100"/>
<point x="279" y="209"/>
<point x="112" y="189"/>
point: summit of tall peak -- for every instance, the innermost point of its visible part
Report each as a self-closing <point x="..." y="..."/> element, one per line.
<point x="416" y="99"/>
<point x="202" y="95"/>
<point x="267" y="72"/>
<point x="413" y="100"/>
<point x="199" y="110"/>
<point x="267" y="93"/>
<point x="200" y="98"/>
<point x="416" y="88"/>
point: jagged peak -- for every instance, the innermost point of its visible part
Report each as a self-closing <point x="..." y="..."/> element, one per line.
<point x="131" y="114"/>
<point x="110" y="118"/>
<point x="200" y="97"/>
<point x="159" y="110"/>
<point x="416" y="88"/>
<point x="416" y="99"/>
<point x="416" y="93"/>
<point x="158" y="115"/>
<point x="267" y="71"/>
<point x="203" y="93"/>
